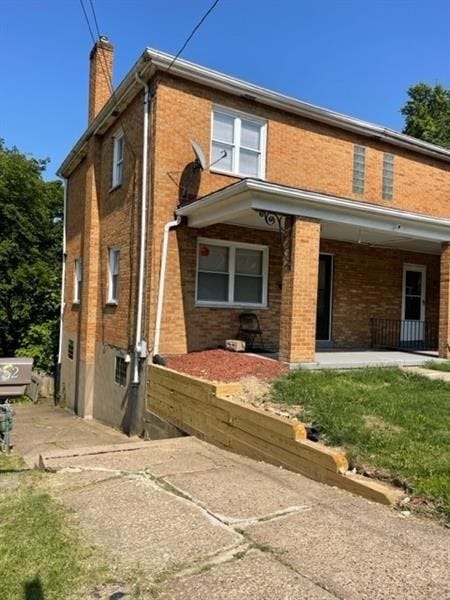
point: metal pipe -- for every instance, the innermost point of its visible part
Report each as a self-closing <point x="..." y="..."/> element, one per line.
<point x="162" y="280"/>
<point x="63" y="275"/>
<point x="143" y="235"/>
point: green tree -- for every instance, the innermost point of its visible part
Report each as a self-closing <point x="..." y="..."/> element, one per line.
<point x="30" y="255"/>
<point x="427" y="113"/>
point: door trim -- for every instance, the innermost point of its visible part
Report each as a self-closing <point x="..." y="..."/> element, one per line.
<point x="330" y="314"/>
<point x="422" y="269"/>
<point x="404" y="328"/>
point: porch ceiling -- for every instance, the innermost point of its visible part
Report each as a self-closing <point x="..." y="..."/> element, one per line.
<point x="342" y="219"/>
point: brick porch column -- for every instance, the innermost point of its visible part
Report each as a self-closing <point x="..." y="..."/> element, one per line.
<point x="299" y="294"/>
<point x="444" y="302"/>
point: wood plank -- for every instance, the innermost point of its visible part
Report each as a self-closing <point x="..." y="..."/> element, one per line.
<point x="191" y="405"/>
<point x="275" y="423"/>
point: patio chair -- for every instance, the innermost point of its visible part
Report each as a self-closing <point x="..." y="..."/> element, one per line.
<point x="249" y="330"/>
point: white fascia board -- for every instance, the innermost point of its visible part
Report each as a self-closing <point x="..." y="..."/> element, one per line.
<point x="229" y="203"/>
<point x="221" y="212"/>
<point x="356" y="218"/>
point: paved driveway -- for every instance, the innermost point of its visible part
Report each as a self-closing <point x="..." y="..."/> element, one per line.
<point x="206" y="524"/>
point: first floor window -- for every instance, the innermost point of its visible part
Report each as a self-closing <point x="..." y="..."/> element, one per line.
<point x="231" y="274"/>
<point x="120" y="375"/>
<point x="113" y="275"/>
<point x="77" y="280"/>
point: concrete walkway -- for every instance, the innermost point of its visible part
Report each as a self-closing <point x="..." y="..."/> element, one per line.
<point x="430" y="373"/>
<point x="43" y="427"/>
<point x="202" y="523"/>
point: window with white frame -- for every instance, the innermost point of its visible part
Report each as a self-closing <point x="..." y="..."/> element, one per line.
<point x="113" y="275"/>
<point x="238" y="143"/>
<point x="118" y="150"/>
<point x="77" y="279"/>
<point x="230" y="274"/>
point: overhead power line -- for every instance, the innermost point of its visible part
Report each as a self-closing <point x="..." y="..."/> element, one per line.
<point x="87" y="20"/>
<point x="193" y="32"/>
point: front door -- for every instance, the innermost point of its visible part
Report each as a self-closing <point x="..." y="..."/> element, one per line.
<point x="323" y="322"/>
<point x="413" y="303"/>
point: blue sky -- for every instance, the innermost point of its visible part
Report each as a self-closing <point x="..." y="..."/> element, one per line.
<point x="356" y="57"/>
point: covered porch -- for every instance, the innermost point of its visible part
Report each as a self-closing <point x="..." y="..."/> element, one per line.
<point x="351" y="275"/>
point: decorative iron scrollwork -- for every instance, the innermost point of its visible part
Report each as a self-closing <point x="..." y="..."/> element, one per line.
<point x="284" y="224"/>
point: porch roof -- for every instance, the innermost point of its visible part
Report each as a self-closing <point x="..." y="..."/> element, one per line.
<point x="343" y="219"/>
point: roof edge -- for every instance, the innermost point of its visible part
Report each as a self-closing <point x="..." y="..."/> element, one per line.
<point x="216" y="79"/>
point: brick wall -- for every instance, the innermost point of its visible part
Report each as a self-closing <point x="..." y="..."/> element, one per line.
<point x="367" y="283"/>
<point x="300" y="153"/>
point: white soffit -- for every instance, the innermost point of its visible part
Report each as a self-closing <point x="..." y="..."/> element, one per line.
<point x="238" y="203"/>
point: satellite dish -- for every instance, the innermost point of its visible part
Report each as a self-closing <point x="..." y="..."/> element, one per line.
<point x="201" y="160"/>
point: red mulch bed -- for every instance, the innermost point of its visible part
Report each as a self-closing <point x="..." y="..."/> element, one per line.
<point x="225" y="366"/>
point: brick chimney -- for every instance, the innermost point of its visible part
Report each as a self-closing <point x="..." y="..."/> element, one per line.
<point x="100" y="75"/>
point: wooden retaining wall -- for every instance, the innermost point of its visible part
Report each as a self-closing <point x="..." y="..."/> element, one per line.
<point x="208" y="411"/>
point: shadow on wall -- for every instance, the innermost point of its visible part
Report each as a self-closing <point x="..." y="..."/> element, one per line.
<point x="189" y="183"/>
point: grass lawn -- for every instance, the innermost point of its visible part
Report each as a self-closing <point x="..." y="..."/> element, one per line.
<point x="387" y="419"/>
<point x="42" y="554"/>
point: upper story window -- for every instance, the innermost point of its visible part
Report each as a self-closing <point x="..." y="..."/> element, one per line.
<point x="388" y="176"/>
<point x="238" y="144"/>
<point x="77" y="279"/>
<point x="359" y="169"/>
<point x="230" y="274"/>
<point x="118" y="151"/>
<point x="113" y="275"/>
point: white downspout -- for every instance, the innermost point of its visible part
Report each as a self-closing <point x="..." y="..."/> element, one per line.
<point x="63" y="278"/>
<point x="139" y="349"/>
<point x="162" y="281"/>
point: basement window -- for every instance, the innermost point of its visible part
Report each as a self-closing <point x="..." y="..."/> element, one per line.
<point x="238" y="143"/>
<point x="230" y="274"/>
<point x="359" y="169"/>
<point x="120" y="375"/>
<point x="118" y="151"/>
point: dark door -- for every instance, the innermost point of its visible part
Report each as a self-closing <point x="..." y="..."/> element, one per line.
<point x="324" y="297"/>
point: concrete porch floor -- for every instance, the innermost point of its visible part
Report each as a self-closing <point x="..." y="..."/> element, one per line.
<point x="359" y="359"/>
